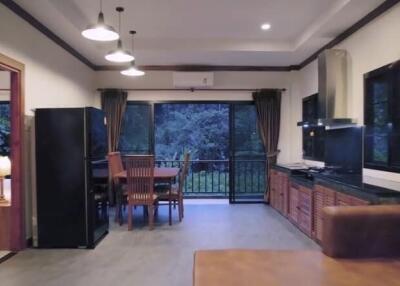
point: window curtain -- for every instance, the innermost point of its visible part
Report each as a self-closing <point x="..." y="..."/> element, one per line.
<point x="268" y="106"/>
<point x="113" y="103"/>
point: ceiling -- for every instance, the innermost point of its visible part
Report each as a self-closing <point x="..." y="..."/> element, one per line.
<point x="205" y="32"/>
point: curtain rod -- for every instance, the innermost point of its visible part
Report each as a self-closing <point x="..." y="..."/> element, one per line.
<point x="188" y="89"/>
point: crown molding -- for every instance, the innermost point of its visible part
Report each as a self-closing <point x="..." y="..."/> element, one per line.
<point x="385" y="6"/>
<point x="201" y="68"/>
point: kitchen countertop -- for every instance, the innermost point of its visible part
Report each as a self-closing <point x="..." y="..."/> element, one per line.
<point x="346" y="183"/>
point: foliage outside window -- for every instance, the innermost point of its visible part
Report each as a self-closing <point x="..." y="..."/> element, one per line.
<point x="5" y="128"/>
<point x="382" y="119"/>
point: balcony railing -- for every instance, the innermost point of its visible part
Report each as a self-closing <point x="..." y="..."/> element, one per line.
<point x="210" y="178"/>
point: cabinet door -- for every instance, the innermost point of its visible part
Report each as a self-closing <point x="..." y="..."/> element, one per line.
<point x="318" y="205"/>
<point x="293" y="203"/>
<point x="305" y="210"/>
<point x="358" y="202"/>
<point x="284" y="194"/>
<point x="273" y="189"/>
<point x="348" y="200"/>
<point x="343" y="200"/>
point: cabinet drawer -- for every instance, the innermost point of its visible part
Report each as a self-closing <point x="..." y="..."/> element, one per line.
<point x="359" y="202"/>
<point x="348" y="200"/>
<point x="305" y="200"/>
<point x="305" y="222"/>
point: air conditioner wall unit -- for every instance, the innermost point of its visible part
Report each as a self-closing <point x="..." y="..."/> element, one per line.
<point x="193" y="79"/>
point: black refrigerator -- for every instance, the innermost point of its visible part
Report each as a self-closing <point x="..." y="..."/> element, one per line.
<point x="72" y="205"/>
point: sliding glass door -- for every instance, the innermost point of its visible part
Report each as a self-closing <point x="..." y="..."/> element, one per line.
<point x="227" y="156"/>
<point x="247" y="155"/>
<point x="137" y="134"/>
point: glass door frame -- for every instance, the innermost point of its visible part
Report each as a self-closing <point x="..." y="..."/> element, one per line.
<point x="232" y="192"/>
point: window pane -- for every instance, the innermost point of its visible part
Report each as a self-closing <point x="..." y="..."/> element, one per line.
<point x="377" y="149"/>
<point x="247" y="137"/>
<point x="135" y="134"/>
<point x="396" y="104"/>
<point x="395" y="151"/>
<point x="380" y="114"/>
<point x="5" y="128"/>
<point x="202" y="129"/>
<point x="380" y="88"/>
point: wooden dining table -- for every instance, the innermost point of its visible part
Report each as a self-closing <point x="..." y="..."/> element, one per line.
<point x="161" y="175"/>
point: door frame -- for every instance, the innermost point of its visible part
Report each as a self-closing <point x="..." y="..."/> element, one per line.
<point x="17" y="207"/>
<point x="231" y="104"/>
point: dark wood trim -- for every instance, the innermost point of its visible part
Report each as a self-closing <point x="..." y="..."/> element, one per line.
<point x="17" y="207"/>
<point x="344" y="35"/>
<point x="189" y="89"/>
<point x="351" y="30"/>
<point x="46" y="31"/>
<point x="201" y="68"/>
<point x="7" y="256"/>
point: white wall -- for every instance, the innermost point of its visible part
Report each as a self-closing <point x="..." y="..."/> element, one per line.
<point x="5" y="83"/>
<point x="53" y="78"/>
<point x="238" y="80"/>
<point x="375" y="45"/>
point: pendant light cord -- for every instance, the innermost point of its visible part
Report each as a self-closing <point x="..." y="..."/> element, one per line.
<point x="119" y="22"/>
<point x="101" y="5"/>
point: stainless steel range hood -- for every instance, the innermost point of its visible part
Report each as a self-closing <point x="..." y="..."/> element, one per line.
<point x="332" y="91"/>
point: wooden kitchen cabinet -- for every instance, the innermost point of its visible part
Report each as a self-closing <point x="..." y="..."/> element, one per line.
<point x="293" y="202"/>
<point x="303" y="205"/>
<point x="279" y="191"/>
<point x="348" y="200"/>
<point x="300" y="207"/>
<point x="305" y="210"/>
<point x="322" y="197"/>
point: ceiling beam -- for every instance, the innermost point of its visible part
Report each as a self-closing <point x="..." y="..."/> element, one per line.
<point x="385" y="6"/>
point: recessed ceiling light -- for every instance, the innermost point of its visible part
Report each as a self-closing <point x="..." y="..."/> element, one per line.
<point x="265" y="26"/>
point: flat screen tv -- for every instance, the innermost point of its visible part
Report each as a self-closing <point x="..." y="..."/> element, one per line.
<point x="343" y="149"/>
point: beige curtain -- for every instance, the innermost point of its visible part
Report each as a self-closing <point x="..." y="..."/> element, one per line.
<point x="113" y="103"/>
<point x="268" y="106"/>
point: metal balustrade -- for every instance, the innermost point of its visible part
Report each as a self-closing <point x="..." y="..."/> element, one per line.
<point x="210" y="178"/>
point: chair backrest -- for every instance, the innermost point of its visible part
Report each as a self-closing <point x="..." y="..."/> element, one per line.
<point x="184" y="171"/>
<point x="140" y="179"/>
<point x="115" y="164"/>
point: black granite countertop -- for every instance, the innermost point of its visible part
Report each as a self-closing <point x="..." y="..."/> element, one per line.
<point x="347" y="183"/>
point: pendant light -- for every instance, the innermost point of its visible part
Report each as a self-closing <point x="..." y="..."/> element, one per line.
<point x="132" y="70"/>
<point x="119" y="55"/>
<point x="100" y="31"/>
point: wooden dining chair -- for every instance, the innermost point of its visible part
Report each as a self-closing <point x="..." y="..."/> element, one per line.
<point x="140" y="186"/>
<point x="175" y="193"/>
<point x="116" y="166"/>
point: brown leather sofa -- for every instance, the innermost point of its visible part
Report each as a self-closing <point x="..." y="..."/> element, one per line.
<point x="362" y="231"/>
